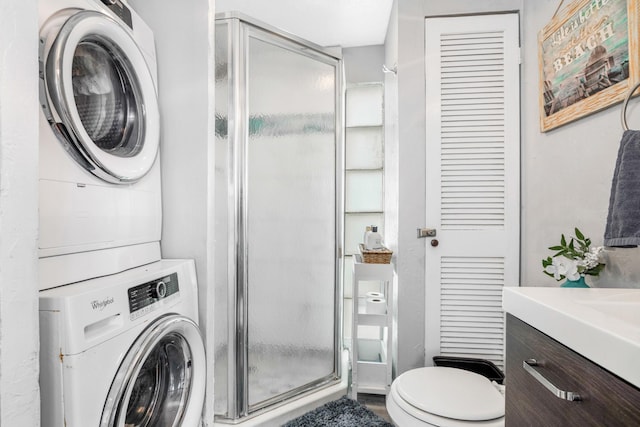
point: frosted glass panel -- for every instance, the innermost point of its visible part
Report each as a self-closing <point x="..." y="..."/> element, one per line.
<point x="364" y="148"/>
<point x="364" y="191"/>
<point x="348" y="277"/>
<point x="364" y="105"/>
<point x="291" y="211"/>
<point x="354" y="228"/>
<point x="221" y="324"/>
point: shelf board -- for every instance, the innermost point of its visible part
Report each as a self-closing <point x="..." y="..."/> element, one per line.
<point x="373" y="376"/>
<point x="368" y="125"/>
<point x="364" y="169"/>
<point x="369" y="271"/>
<point x="369" y="319"/>
<point x="372" y="352"/>
<point x="363" y="212"/>
<point x="372" y="389"/>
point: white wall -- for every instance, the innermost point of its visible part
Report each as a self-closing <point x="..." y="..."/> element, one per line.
<point x="184" y="42"/>
<point x="19" y="398"/>
<point x="183" y="52"/>
<point x="405" y="151"/>
<point x="566" y="173"/>
<point x="391" y="202"/>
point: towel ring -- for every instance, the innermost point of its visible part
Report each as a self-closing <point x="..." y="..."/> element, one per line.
<point x="623" y="116"/>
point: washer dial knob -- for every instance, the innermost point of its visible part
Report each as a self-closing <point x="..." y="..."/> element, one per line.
<point x="160" y="290"/>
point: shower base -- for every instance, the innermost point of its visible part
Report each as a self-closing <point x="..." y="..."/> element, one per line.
<point x="277" y="416"/>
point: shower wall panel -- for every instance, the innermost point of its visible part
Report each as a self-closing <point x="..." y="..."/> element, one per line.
<point x="224" y="194"/>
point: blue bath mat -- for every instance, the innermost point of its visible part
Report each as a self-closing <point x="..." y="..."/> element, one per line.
<point x="343" y="412"/>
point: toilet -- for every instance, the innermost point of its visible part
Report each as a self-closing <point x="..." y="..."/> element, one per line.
<point x="445" y="397"/>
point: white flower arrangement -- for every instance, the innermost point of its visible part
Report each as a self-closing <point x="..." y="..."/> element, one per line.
<point x="574" y="259"/>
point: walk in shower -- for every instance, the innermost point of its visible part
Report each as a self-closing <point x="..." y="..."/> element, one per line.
<point x="278" y="221"/>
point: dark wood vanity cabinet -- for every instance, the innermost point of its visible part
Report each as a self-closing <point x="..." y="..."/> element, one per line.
<point x="604" y="399"/>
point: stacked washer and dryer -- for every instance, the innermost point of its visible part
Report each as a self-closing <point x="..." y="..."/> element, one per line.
<point x="119" y="340"/>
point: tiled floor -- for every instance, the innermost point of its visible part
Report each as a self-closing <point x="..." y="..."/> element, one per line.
<point x="375" y="402"/>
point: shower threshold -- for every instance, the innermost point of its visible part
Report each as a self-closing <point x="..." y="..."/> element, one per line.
<point x="277" y="415"/>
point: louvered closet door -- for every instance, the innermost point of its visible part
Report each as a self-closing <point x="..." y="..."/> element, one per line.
<point x="472" y="172"/>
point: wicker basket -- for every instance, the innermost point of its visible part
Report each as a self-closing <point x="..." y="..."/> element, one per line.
<point x="375" y="256"/>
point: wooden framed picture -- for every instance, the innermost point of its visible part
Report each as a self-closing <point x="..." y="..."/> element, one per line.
<point x="588" y="59"/>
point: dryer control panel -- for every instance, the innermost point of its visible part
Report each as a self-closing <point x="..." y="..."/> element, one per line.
<point x="144" y="298"/>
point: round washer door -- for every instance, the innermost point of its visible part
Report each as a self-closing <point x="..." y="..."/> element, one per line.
<point x="161" y="381"/>
<point x="99" y="96"/>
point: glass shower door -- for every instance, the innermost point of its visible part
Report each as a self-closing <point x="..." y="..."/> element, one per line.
<point x="291" y="219"/>
<point x="278" y="217"/>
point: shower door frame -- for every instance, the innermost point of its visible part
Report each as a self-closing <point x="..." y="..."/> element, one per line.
<point x="241" y="28"/>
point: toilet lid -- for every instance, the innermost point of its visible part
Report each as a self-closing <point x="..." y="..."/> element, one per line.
<point x="451" y="393"/>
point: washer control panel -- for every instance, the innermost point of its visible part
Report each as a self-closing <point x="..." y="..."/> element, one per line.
<point x="120" y="10"/>
<point x="144" y="298"/>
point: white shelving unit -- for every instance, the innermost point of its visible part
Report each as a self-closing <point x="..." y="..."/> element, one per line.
<point x="364" y="168"/>
<point x="372" y="352"/>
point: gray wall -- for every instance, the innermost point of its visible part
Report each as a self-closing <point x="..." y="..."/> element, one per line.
<point x="363" y="64"/>
<point x="566" y="173"/>
<point x="186" y="96"/>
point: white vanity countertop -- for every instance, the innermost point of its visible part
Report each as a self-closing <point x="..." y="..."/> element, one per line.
<point x="602" y="324"/>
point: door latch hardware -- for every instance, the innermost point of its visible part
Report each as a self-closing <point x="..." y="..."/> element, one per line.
<point x="426" y="232"/>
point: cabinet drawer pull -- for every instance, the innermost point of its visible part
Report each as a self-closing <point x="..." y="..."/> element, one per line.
<point x="566" y="395"/>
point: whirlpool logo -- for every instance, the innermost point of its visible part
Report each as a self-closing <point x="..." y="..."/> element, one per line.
<point x="101" y="304"/>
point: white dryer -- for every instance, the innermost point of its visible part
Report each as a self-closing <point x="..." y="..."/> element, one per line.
<point x="100" y="193"/>
<point x="123" y="350"/>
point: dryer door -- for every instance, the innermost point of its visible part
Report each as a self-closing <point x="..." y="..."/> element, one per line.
<point x="161" y="381"/>
<point x="99" y="95"/>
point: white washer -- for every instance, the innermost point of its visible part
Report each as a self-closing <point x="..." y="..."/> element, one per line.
<point x="123" y="350"/>
<point x="100" y="193"/>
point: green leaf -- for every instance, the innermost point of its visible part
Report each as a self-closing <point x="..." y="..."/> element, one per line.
<point x="556" y="248"/>
<point x="548" y="274"/>
<point x="579" y="234"/>
<point x="595" y="270"/>
<point x="563" y="241"/>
